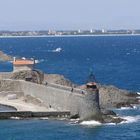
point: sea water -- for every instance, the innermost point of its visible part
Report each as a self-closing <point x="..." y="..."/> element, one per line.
<point x="115" y="60"/>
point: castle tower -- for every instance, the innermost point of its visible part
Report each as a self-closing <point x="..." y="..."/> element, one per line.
<point x="91" y="81"/>
<point x="90" y="108"/>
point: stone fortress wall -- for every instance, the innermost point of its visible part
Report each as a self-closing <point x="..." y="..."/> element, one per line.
<point x="78" y="102"/>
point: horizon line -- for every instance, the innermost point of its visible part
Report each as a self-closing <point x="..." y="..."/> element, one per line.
<point x="24" y="30"/>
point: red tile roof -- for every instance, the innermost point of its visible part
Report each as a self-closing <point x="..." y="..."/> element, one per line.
<point x="23" y="62"/>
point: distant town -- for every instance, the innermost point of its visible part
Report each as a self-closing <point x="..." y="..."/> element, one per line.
<point x="70" y="32"/>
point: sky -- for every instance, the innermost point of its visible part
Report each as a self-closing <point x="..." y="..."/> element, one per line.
<point x="69" y="14"/>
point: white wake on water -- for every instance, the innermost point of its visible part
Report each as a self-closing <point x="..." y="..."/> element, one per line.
<point x="130" y="119"/>
<point x="39" y="61"/>
<point x="57" y="50"/>
<point x="15" y="118"/>
<point x="44" y="118"/>
<point x="128" y="108"/>
<point x="91" y="123"/>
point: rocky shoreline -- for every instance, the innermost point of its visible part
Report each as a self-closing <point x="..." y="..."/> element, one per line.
<point x="109" y="96"/>
<point x="5" y="57"/>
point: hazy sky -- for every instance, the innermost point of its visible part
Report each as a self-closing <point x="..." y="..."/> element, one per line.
<point x="69" y="14"/>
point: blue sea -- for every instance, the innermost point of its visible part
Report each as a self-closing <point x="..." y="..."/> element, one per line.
<point x="115" y="60"/>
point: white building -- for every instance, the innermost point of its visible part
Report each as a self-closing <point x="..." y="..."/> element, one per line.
<point x="91" y="30"/>
<point x="103" y="30"/>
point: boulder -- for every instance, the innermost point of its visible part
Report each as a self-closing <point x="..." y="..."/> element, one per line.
<point x="113" y="97"/>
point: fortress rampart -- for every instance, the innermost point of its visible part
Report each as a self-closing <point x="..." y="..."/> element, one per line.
<point x="83" y="103"/>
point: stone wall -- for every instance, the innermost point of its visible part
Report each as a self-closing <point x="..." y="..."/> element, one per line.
<point x="5" y="75"/>
<point x="61" y="98"/>
<point x="21" y="68"/>
<point x="10" y="85"/>
<point x="85" y="105"/>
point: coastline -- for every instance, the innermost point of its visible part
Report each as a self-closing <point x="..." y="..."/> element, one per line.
<point x="33" y="89"/>
<point x="25" y="97"/>
<point x="49" y="36"/>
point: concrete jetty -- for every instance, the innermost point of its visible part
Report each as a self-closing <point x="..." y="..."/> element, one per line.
<point x="30" y="114"/>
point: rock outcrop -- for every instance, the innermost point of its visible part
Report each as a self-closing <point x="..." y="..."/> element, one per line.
<point x="34" y="76"/>
<point x="5" y="57"/>
<point x="113" y="97"/>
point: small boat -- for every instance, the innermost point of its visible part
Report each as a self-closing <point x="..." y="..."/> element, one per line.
<point x="57" y="50"/>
